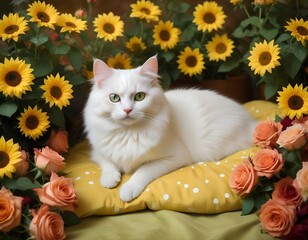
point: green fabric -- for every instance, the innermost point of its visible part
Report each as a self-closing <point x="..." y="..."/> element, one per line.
<point x="164" y="224"/>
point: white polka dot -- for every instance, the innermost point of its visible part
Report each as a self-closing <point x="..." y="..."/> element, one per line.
<point x="215" y="201"/>
<point x="226" y="161"/>
<point x="221" y="175"/>
<point x="116" y="209"/>
<point x="178" y="182"/>
<point x="77" y="178"/>
<point x="166" y="196"/>
<point x="91" y="182"/>
<point x="200" y="163"/>
<point x="86" y="172"/>
<point x="196" y="190"/>
<point x="186" y="185"/>
<point x="148" y="189"/>
<point x="206" y="181"/>
<point x="218" y="163"/>
<point x="227" y="195"/>
<point x="205" y="164"/>
<point x="192" y="167"/>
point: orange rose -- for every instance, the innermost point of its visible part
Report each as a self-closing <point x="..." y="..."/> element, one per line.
<point x="267" y="162"/>
<point x="10" y="210"/>
<point x="48" y="160"/>
<point x="286" y="193"/>
<point x="58" y="141"/>
<point x="293" y="137"/>
<point x="277" y="219"/>
<point x="301" y="181"/>
<point x="46" y="225"/>
<point x="58" y="192"/>
<point x="22" y="167"/>
<point x="266" y="133"/>
<point x="243" y="178"/>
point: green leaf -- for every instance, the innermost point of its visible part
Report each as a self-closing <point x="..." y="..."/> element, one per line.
<point x="42" y="66"/>
<point x="70" y="218"/>
<point x="283" y="37"/>
<point x="76" y="79"/>
<point x="269" y="34"/>
<point x="76" y="59"/>
<point x="61" y="50"/>
<point x="178" y="7"/>
<point x="300" y="52"/>
<point x="22" y="184"/>
<point x="248" y="205"/>
<point x="188" y="33"/>
<point x="40" y="40"/>
<point x="7" y="109"/>
<point x="253" y="20"/>
<point x="230" y="64"/>
<point x="270" y="90"/>
<point x="293" y="65"/>
<point x="168" y="56"/>
<point x="56" y="116"/>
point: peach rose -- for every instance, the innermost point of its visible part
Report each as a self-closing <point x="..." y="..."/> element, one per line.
<point x="48" y="160"/>
<point x="58" y="192"/>
<point x="277" y="219"/>
<point x="266" y="133"/>
<point x="22" y="167"/>
<point x="243" y="178"/>
<point x="58" y="141"/>
<point x="46" y="225"/>
<point x="293" y="137"/>
<point x="303" y="121"/>
<point x="10" y="210"/>
<point x="301" y="181"/>
<point x="263" y="2"/>
<point x="286" y="193"/>
<point x="267" y="162"/>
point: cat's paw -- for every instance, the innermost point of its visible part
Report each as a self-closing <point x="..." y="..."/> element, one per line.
<point x="110" y="179"/>
<point x="130" y="191"/>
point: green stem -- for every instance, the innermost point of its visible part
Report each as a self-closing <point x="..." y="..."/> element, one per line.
<point x="245" y="10"/>
<point x="203" y="37"/>
<point x="141" y="28"/>
<point x="101" y="47"/>
<point x="36" y="45"/>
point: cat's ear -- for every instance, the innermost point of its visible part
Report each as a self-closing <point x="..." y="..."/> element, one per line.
<point x="101" y="71"/>
<point x="150" y="69"/>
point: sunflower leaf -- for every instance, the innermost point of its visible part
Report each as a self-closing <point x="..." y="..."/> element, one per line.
<point x="75" y="58"/>
<point x="7" y="109"/>
<point x="56" y="116"/>
<point x="38" y="41"/>
<point x="42" y="66"/>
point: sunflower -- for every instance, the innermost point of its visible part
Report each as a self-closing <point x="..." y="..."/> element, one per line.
<point x="9" y="156"/>
<point x="293" y="101"/>
<point x="108" y="26"/>
<point x="166" y="35"/>
<point x="219" y="48"/>
<point x="33" y="122"/>
<point x="209" y="16"/>
<point x="135" y="44"/>
<point x="298" y="29"/>
<point x="191" y="61"/>
<point x="57" y="91"/>
<point x="120" y="61"/>
<point x="69" y="23"/>
<point x="12" y="26"/>
<point x="44" y="14"/>
<point x="15" y="77"/>
<point x="234" y="2"/>
<point x="145" y="10"/>
<point x="264" y="57"/>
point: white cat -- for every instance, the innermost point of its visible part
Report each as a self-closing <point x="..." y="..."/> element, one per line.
<point x="134" y="127"/>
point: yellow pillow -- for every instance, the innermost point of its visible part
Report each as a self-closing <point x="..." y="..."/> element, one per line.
<point x="200" y="188"/>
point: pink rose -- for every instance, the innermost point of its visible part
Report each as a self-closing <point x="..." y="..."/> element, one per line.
<point x="58" y="141"/>
<point x="58" y="192"/>
<point x="301" y="181"/>
<point x="48" y="160"/>
<point x="266" y="133"/>
<point x="267" y="162"/>
<point x="10" y="210"/>
<point x="277" y="219"/>
<point x="243" y="178"/>
<point x="46" y="225"/>
<point x="22" y="167"/>
<point x="292" y="138"/>
<point x="303" y="121"/>
<point x="286" y="193"/>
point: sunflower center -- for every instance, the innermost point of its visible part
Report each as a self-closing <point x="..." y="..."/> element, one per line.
<point x="70" y="25"/>
<point x="265" y="58"/>
<point x="43" y="17"/>
<point x="118" y="65"/>
<point x="56" y="92"/>
<point x="136" y="47"/>
<point x="302" y="30"/>
<point x="209" y="18"/>
<point x="164" y="35"/>
<point x="11" y="29"/>
<point x="221" y="48"/>
<point x="191" y="61"/>
<point x="295" y="102"/>
<point x="32" y="122"/>
<point x="145" y="11"/>
<point x="108" y="28"/>
<point x="13" y="79"/>
<point x="4" y="159"/>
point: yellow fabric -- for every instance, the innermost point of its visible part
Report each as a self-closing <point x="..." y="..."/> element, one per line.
<point x="200" y="188"/>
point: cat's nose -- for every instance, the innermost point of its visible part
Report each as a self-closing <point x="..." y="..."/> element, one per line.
<point x="127" y="110"/>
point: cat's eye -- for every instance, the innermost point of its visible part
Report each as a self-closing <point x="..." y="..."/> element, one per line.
<point x="139" y="96"/>
<point x="114" y="97"/>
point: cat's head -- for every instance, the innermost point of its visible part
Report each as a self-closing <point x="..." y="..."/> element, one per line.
<point x="127" y="97"/>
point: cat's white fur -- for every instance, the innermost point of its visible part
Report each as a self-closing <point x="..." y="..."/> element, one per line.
<point x="161" y="133"/>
